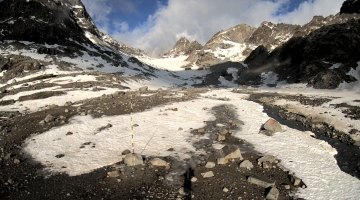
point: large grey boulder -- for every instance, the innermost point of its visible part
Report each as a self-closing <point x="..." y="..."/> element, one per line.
<point x="272" y="126"/>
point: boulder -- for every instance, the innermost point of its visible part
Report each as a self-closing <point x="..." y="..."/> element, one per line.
<point x="208" y="174"/>
<point x="227" y="153"/>
<point x="210" y="165"/>
<point x="246" y="164"/>
<point x="133" y="159"/>
<point x="260" y="181"/>
<point x="273" y="126"/>
<point x="273" y="194"/>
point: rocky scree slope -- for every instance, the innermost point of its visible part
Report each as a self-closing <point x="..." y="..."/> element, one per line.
<point x="60" y="32"/>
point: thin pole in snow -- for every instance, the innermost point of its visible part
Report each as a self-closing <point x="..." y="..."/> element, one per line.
<point x="132" y="125"/>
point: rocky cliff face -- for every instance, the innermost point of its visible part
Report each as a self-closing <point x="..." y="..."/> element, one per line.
<point x="183" y="47"/>
<point x="321" y="59"/>
<point x="236" y="43"/>
<point x="60" y="31"/>
<point x="350" y="7"/>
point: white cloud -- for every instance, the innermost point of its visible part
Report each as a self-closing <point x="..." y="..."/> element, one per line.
<point x="305" y="12"/>
<point x="99" y="12"/>
<point x="201" y="19"/>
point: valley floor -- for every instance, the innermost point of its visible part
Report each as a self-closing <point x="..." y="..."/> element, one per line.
<point x="63" y="137"/>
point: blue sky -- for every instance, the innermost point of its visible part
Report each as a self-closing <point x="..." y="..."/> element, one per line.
<point x="155" y="25"/>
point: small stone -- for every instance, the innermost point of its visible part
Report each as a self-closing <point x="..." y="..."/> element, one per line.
<point x="201" y="130"/>
<point x="184" y="191"/>
<point x="193" y="179"/>
<point x="295" y="180"/>
<point x="69" y="133"/>
<point x="207" y="174"/>
<point x="60" y="155"/>
<point x="16" y="161"/>
<point x="144" y="89"/>
<point x="69" y="103"/>
<point x="210" y="165"/>
<point x="262" y="182"/>
<point x="267" y="158"/>
<point x="83" y="114"/>
<point x="8" y="156"/>
<point x="246" y="164"/>
<point x="180" y="129"/>
<point x="133" y="159"/>
<point x="113" y="174"/>
<point x="223" y="131"/>
<point x="49" y="118"/>
<point x="225" y="190"/>
<point x="125" y="152"/>
<point x="159" y="162"/>
<point x="221" y="138"/>
<point x="287" y="187"/>
<point x="66" y="110"/>
<point x="10" y="181"/>
<point x="273" y="194"/>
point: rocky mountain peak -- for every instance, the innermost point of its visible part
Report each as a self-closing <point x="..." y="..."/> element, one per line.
<point x="183" y="47"/>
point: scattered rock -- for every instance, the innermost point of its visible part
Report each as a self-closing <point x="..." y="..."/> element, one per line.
<point x="83" y="114"/>
<point x="133" y="159"/>
<point x="143" y="89"/>
<point x="227" y="153"/>
<point x="210" y="165"/>
<point x="225" y="190"/>
<point x="125" y="152"/>
<point x="16" y="161"/>
<point x="208" y="174"/>
<point x="159" y="162"/>
<point x="267" y="161"/>
<point x="201" y="130"/>
<point x="184" y="191"/>
<point x="295" y="180"/>
<point x="221" y="138"/>
<point x="10" y="181"/>
<point x="273" y="194"/>
<point x="223" y="131"/>
<point x="69" y="103"/>
<point x="49" y="118"/>
<point x="246" y="164"/>
<point x="286" y="186"/>
<point x="60" y="155"/>
<point x="193" y="179"/>
<point x="260" y="181"/>
<point x="69" y="133"/>
<point x="113" y="174"/>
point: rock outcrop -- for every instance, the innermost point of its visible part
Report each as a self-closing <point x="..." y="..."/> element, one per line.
<point x="183" y="47"/>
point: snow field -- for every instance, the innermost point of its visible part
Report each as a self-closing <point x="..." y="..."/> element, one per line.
<point x="311" y="159"/>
